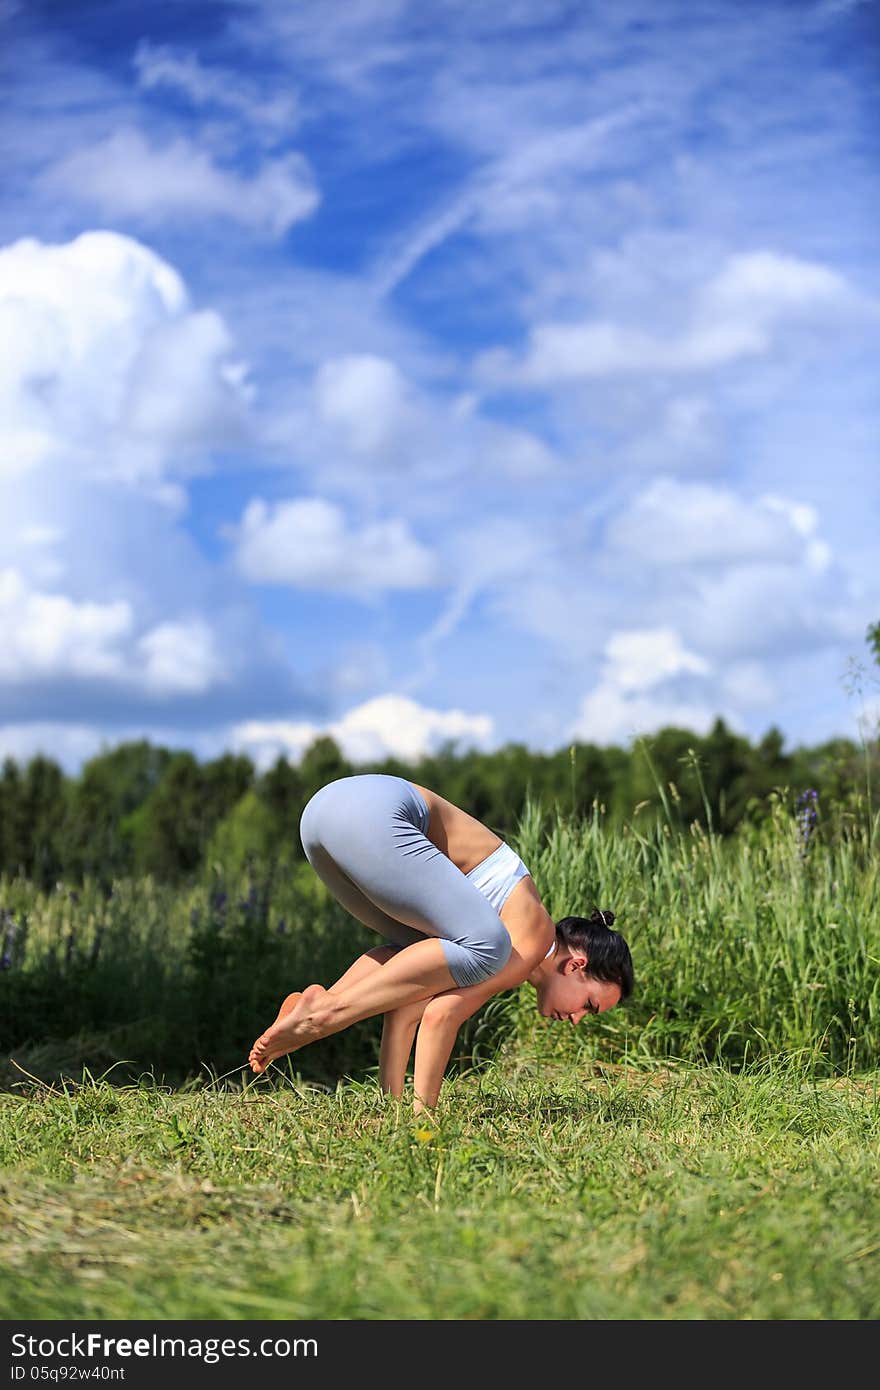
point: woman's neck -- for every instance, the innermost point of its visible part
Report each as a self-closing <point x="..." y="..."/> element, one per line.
<point x="546" y="966"/>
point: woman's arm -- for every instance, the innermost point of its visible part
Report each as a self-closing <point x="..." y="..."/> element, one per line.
<point x="398" y="1030"/>
<point x="437" y="1033"/>
<point x="441" y="1019"/>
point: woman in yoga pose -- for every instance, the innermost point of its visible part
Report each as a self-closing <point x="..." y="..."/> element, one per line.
<point x="462" y="921"/>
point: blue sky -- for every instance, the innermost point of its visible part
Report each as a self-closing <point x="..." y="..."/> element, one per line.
<point x="413" y="372"/>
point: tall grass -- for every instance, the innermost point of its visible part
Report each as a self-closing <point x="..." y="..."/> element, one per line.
<point x="763" y="943"/>
<point x="169" y="981"/>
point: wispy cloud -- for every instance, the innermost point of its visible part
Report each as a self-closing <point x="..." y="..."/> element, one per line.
<point x="272" y="119"/>
<point x="127" y="176"/>
<point x="506" y="190"/>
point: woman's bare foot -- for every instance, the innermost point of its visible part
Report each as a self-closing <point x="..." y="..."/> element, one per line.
<point x="288" y="1004"/>
<point x="292" y="1029"/>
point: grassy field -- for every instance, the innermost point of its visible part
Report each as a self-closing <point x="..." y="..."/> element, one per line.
<point x="651" y="1194"/>
<point x="708" y="1151"/>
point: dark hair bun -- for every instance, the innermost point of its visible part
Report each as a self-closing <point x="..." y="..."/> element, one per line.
<point x="602" y="917"/>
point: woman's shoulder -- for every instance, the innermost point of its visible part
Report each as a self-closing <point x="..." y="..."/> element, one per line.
<point x="532" y="929"/>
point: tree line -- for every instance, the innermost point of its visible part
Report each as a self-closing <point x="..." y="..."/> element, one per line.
<point x="140" y="809"/>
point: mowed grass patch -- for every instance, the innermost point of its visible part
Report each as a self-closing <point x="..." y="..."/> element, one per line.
<point x="659" y="1193"/>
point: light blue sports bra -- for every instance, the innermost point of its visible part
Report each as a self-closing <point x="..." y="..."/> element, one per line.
<point x="498" y="874"/>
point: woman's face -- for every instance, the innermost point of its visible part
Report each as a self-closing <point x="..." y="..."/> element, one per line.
<point x="571" y="992"/>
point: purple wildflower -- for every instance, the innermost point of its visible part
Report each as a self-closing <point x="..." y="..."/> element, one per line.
<point x="807" y="817"/>
<point x="11" y="926"/>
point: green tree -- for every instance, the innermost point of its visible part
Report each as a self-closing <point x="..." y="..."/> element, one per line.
<point x="280" y="791"/>
<point x="322" y="762"/>
<point x="171" y="830"/>
<point x="243" y="837"/>
<point x="110" y="788"/>
<point x="13" y="834"/>
<point x="42" y="802"/>
<point x="664" y="759"/>
<point x="224" y="783"/>
<point x="726" y="766"/>
<point x="166" y="832"/>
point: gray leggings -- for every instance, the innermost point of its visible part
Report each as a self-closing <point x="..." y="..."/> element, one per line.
<point x="365" y="837"/>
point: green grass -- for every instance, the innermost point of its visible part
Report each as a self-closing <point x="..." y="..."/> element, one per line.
<point x="708" y="1151"/>
<point x="539" y="1192"/>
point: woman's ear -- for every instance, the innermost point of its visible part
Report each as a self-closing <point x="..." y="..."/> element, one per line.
<point x="576" y="961"/>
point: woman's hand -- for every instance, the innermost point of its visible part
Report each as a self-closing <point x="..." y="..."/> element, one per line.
<point x="398" y="1031"/>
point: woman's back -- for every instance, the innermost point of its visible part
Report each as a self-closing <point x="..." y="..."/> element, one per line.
<point x="467" y="842"/>
<point x="462" y="838"/>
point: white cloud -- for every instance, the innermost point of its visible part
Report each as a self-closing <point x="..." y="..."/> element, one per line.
<point x="763" y="285"/>
<point x="50" y="635"/>
<point x="735" y="315"/>
<point x="805" y="521"/>
<point x="125" y="176"/>
<point x="640" y="659"/>
<point x="181" y="658"/>
<point x="120" y="390"/>
<point x="359" y="666"/>
<point x="373" y="412"/>
<point x="387" y="726"/>
<point x="684" y="524"/>
<point x="490" y="558"/>
<point x="308" y="543"/>
<point x="44" y="634"/>
<point x="608" y="716"/>
<point x="626" y="701"/>
<point x="185" y="389"/>
<point x="105" y="370"/>
<point x="766" y="610"/>
<point x="365" y="397"/>
<point x="740" y="577"/>
<point x="681" y="432"/>
<point x="561" y="351"/>
<point x="40" y="535"/>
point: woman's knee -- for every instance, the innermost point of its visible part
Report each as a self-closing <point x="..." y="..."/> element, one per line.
<point x="497" y="948"/>
<point x="479" y="957"/>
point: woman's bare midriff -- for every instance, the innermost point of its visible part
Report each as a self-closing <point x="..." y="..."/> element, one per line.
<point x="467" y="842"/>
